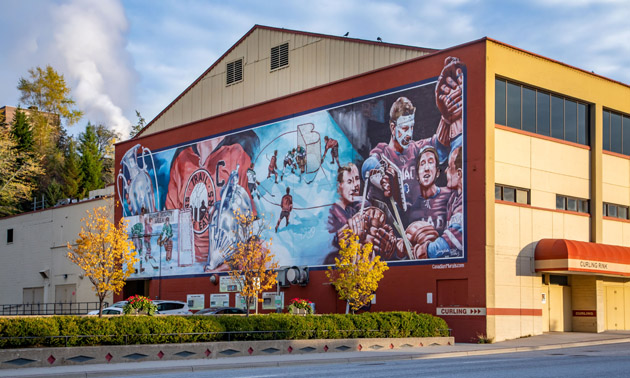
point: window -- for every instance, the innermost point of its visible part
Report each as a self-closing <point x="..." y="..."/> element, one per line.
<point x="558" y="280"/>
<point x="279" y="56"/>
<point x="616" y="133"/>
<point x="615" y="211"/>
<point x="511" y="194"/>
<point x="579" y="205"/>
<point x="541" y="112"/>
<point x="9" y="235"/>
<point x="234" y="72"/>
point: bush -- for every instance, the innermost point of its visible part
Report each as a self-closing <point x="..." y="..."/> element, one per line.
<point x="120" y="330"/>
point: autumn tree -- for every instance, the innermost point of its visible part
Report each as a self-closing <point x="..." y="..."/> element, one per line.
<point x="252" y="262"/>
<point x="356" y="273"/>
<point x="16" y="172"/>
<point x="104" y="253"/>
<point x="49" y="100"/>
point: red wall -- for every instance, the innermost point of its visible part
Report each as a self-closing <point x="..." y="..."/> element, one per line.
<point x="403" y="287"/>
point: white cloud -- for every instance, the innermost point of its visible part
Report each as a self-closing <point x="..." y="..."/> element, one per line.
<point x="91" y="38"/>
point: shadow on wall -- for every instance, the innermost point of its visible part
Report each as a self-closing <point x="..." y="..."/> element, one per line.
<point x="525" y="261"/>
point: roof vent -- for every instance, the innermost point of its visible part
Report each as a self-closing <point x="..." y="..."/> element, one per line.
<point x="280" y="56"/>
<point x="234" y="72"/>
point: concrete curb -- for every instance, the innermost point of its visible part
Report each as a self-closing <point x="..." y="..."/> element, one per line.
<point x="434" y="352"/>
<point x="108" y="354"/>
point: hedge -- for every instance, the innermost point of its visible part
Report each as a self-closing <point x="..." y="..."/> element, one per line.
<point x="16" y="332"/>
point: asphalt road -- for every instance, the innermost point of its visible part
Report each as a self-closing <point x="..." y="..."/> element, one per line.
<point x="593" y="361"/>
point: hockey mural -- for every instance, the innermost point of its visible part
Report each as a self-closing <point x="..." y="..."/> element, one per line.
<point x="389" y="167"/>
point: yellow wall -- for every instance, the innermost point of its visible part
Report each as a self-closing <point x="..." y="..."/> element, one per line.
<point x="546" y="168"/>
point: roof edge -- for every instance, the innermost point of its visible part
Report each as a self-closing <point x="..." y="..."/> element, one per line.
<point x="257" y="26"/>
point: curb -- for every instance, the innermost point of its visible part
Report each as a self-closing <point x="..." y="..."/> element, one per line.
<point x="95" y="371"/>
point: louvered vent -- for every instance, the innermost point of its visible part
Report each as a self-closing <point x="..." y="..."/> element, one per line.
<point x="280" y="56"/>
<point x="234" y="72"/>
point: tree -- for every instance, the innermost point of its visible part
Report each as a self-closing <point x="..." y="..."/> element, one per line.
<point x="356" y="273"/>
<point x="21" y="132"/>
<point x="106" y="139"/>
<point x="253" y="265"/>
<point x="90" y="162"/>
<point x="71" y="171"/>
<point x="104" y="253"/>
<point x="135" y="129"/>
<point x="46" y="90"/>
<point x="54" y="193"/>
<point x="16" y="171"/>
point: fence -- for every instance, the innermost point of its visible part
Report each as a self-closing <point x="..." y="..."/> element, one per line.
<point x="76" y="308"/>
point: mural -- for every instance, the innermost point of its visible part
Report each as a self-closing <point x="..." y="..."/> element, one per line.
<point x="388" y="167"/>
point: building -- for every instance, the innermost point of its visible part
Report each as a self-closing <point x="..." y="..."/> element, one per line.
<point x="517" y="224"/>
<point x="35" y="273"/>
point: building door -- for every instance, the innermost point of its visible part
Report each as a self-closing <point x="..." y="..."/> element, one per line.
<point x="544" y="302"/>
<point x="33" y="295"/>
<point x="64" y="298"/>
<point x="560" y="316"/>
<point x="615" y="310"/>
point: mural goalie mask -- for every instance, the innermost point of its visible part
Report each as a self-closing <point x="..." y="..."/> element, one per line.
<point x="404" y="130"/>
<point x="224" y="226"/>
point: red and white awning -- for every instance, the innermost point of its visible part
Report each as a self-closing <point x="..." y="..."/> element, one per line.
<point x="562" y="255"/>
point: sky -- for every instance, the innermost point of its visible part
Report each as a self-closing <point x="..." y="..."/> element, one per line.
<point x="121" y="56"/>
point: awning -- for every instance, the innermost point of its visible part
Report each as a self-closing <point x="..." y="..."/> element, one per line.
<point x="562" y="255"/>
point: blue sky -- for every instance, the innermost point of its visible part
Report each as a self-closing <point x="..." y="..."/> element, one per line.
<point x="122" y="56"/>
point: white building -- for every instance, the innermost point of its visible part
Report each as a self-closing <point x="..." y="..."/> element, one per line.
<point x="34" y="269"/>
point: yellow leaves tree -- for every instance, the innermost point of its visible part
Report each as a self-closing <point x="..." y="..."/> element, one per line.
<point x="103" y="252"/>
<point x="252" y="262"/>
<point x="356" y="273"/>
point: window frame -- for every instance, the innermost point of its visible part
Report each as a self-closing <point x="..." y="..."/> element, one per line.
<point x="579" y="130"/>
<point x="582" y="204"/>
<point x="516" y="190"/>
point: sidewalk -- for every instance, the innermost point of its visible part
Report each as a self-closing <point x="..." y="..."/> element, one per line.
<point x="555" y="340"/>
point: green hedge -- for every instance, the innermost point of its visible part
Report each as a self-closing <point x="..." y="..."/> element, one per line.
<point x="16" y="332"/>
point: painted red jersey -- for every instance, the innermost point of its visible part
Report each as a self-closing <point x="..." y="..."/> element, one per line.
<point x="187" y="172"/>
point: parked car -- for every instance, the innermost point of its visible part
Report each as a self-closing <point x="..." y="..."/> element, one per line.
<point x="172" y="307"/>
<point x="221" y="311"/>
<point x="111" y="310"/>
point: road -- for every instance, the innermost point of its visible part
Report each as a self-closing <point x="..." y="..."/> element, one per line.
<point x="594" y="361"/>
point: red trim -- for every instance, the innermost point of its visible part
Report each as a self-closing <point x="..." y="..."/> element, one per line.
<point x="615" y="219"/>
<point x="616" y="154"/>
<point x="542" y="208"/>
<point x="545" y="137"/>
<point x="514" y="311"/>
<point x="363" y="41"/>
<point x="590" y="73"/>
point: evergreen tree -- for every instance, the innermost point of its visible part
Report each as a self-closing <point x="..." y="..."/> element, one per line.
<point x="54" y="193"/>
<point x="71" y="171"/>
<point x="22" y="132"/>
<point x="91" y="163"/>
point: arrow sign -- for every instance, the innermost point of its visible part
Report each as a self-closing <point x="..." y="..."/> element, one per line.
<point x="460" y="311"/>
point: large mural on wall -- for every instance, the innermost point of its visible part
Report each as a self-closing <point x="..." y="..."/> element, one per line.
<point x="386" y="166"/>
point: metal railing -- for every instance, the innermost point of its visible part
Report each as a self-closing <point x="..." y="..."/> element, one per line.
<point x="76" y="308"/>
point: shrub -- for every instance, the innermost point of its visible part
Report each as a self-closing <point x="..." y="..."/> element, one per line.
<point x="119" y="330"/>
